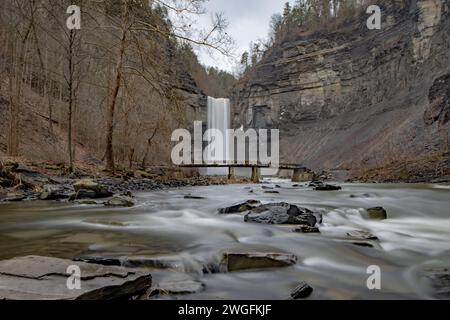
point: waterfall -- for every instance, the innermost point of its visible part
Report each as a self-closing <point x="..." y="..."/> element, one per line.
<point x="219" y="118"/>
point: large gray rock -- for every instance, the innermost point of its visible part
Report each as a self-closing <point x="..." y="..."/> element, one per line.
<point x="281" y="213"/>
<point x="90" y="185"/>
<point x="54" y="192"/>
<point x="119" y="201"/>
<point x="232" y="262"/>
<point x="45" y="278"/>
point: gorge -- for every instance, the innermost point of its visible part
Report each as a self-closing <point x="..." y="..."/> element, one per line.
<point x="353" y="98"/>
<point x="87" y="183"/>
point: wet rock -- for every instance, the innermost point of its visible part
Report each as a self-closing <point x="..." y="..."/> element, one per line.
<point x="364" y="196"/>
<point x="174" y="283"/>
<point x="83" y="194"/>
<point x="281" y="213"/>
<point x="272" y="192"/>
<point x="119" y="201"/>
<point x="104" y="261"/>
<point x="232" y="262"/>
<point x="128" y="194"/>
<point x="88" y="202"/>
<point x="327" y="187"/>
<point x="440" y="282"/>
<point x="361" y="235"/>
<point x="45" y="278"/>
<point x="54" y="192"/>
<point x="189" y="196"/>
<point x="240" y="207"/>
<point x="306" y="229"/>
<point x="363" y="244"/>
<point x="315" y="184"/>
<point x="377" y="213"/>
<point x="302" y="291"/>
<point x="14" y="197"/>
<point x="101" y="191"/>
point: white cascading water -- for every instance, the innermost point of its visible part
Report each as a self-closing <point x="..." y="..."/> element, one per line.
<point x="219" y="118"/>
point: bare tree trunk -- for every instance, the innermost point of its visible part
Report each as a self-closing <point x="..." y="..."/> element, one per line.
<point x="149" y="146"/>
<point x="110" y="166"/>
<point x="44" y="80"/>
<point x="71" y="96"/>
<point x="14" y="130"/>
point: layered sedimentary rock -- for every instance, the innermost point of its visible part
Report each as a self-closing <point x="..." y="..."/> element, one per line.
<point x="355" y="97"/>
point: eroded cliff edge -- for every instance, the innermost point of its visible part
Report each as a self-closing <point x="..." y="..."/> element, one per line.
<point x="356" y="98"/>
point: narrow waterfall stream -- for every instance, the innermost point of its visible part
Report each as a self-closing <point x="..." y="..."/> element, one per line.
<point x="218" y="119"/>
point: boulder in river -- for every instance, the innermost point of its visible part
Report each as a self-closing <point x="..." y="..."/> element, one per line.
<point x="361" y="235"/>
<point x="306" y="229"/>
<point x="281" y="213"/>
<point x="45" y="278"/>
<point x="240" y="207"/>
<point x="232" y="262"/>
<point x="327" y="187"/>
<point x="90" y="185"/>
<point x="190" y="196"/>
<point x="302" y="291"/>
<point x="377" y="213"/>
<point x="119" y="201"/>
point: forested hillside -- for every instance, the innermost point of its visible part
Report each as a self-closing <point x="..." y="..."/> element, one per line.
<point x="110" y="92"/>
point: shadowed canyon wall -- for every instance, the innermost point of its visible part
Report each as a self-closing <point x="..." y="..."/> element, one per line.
<point x="353" y="98"/>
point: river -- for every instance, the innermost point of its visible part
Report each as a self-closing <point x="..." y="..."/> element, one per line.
<point x="416" y="236"/>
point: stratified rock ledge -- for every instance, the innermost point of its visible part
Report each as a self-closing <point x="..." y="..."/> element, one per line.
<point x="45" y="278"/>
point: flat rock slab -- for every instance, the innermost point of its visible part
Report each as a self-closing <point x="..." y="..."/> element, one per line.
<point x="174" y="283"/>
<point x="232" y="262"/>
<point x="45" y="278"/>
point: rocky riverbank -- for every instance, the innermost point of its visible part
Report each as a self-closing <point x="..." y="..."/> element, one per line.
<point x="22" y="182"/>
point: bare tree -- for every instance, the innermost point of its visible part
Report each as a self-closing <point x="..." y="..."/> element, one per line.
<point x="25" y="11"/>
<point x="136" y="22"/>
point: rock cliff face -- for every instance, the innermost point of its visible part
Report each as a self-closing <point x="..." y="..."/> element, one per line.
<point x="354" y="97"/>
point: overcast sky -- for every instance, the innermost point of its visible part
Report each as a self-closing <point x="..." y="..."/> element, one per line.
<point x="248" y="21"/>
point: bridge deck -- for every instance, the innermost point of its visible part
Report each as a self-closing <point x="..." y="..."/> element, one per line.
<point x="244" y="165"/>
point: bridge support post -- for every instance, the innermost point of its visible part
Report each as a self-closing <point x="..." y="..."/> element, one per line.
<point x="231" y="173"/>
<point x="255" y="175"/>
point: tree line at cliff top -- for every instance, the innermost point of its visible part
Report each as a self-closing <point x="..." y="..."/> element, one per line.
<point x="301" y="17"/>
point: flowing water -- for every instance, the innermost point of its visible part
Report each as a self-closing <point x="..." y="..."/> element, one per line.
<point x="415" y="237"/>
<point x="219" y="121"/>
